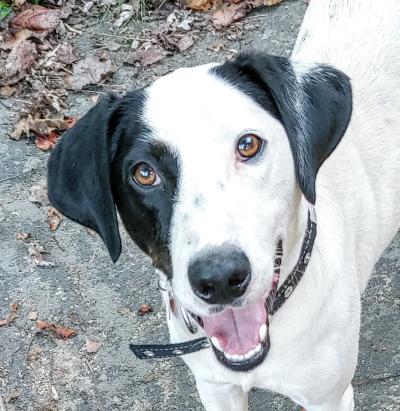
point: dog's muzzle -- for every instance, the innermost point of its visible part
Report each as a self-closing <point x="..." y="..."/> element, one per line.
<point x="247" y="349"/>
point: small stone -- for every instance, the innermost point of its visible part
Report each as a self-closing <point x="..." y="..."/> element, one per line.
<point x="32" y="315"/>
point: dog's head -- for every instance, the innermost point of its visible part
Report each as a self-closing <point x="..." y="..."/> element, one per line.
<point x="203" y="166"/>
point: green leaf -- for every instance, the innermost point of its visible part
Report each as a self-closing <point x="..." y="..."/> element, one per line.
<point x="5" y="10"/>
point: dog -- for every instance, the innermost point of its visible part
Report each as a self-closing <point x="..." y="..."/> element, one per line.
<point x="216" y="169"/>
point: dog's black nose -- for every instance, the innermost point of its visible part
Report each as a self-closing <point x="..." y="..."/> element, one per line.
<point x="219" y="275"/>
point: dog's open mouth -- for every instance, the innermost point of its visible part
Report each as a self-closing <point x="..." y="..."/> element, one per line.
<point x="240" y="336"/>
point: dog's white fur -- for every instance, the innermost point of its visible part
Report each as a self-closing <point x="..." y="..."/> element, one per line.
<point x="314" y="336"/>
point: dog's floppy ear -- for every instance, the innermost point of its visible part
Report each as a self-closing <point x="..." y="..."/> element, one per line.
<point x="313" y="103"/>
<point x="79" y="180"/>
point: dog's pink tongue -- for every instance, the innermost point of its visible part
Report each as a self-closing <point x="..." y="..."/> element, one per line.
<point x="237" y="329"/>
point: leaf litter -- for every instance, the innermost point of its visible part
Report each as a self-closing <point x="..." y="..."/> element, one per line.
<point x="12" y="316"/>
<point x="62" y="332"/>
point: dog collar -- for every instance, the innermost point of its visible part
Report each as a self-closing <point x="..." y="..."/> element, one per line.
<point x="274" y="301"/>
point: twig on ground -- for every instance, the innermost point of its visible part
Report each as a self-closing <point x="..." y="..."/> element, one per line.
<point x="377" y="378"/>
<point x="72" y="29"/>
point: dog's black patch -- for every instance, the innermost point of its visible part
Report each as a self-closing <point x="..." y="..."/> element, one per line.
<point x="146" y="212"/>
<point x="314" y="109"/>
<point x="90" y="174"/>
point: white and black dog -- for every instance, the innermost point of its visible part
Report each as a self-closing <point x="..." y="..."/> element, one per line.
<point x="214" y="169"/>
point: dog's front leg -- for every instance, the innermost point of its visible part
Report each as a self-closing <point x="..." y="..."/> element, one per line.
<point x="222" y="397"/>
<point x="345" y="403"/>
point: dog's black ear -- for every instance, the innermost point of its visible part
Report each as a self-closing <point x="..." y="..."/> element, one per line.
<point x="313" y="103"/>
<point x="79" y="180"/>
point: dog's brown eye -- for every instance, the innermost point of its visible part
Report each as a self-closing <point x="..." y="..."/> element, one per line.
<point x="248" y="146"/>
<point x="145" y="176"/>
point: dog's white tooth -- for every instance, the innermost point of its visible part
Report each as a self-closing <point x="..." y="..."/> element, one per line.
<point x="216" y="343"/>
<point x="263" y="332"/>
<point x="249" y="354"/>
<point x="228" y="356"/>
<point x="258" y="348"/>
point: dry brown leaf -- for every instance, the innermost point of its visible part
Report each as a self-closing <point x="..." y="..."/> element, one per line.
<point x="230" y="13"/>
<point x="200" y="4"/>
<point x="145" y="309"/>
<point x="62" y="332"/>
<point x="42" y="127"/>
<point x="11" y="316"/>
<point x="67" y="54"/>
<point x="227" y="13"/>
<point x="18" y="3"/>
<point x="260" y="3"/>
<point x="36" y="251"/>
<point x="36" y="18"/>
<point x="90" y="70"/>
<point x="20" y="60"/>
<point x="54" y="217"/>
<point x="47" y="141"/>
<point x="92" y="346"/>
<point x="146" y="58"/>
<point x="8" y="91"/>
<point x="17" y="38"/>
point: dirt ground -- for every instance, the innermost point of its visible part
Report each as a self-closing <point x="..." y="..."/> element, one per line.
<point x="80" y="288"/>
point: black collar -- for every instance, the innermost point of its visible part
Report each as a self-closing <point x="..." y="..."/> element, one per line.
<point x="274" y="301"/>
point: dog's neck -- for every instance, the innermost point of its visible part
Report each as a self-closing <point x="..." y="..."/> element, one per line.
<point x="294" y="236"/>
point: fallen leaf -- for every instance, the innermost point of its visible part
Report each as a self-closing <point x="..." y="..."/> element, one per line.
<point x="11" y="316"/>
<point x="203" y="5"/>
<point x="146" y="57"/>
<point x="92" y="346"/>
<point x="18" y="3"/>
<point x="91" y="70"/>
<point x="36" y="251"/>
<point x="54" y="217"/>
<point x="32" y="315"/>
<point x="46" y="142"/>
<point x="261" y="3"/>
<point x="15" y="39"/>
<point x="230" y="13"/>
<point x="5" y="9"/>
<point x="20" y="60"/>
<point x="23" y="236"/>
<point x="61" y="332"/>
<point x="7" y="91"/>
<point x="36" y="18"/>
<point x="38" y="195"/>
<point x="67" y="54"/>
<point x="145" y="309"/>
<point x="185" y="43"/>
<point x="42" y="127"/>
<point x="227" y="13"/>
